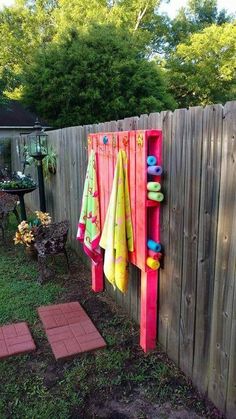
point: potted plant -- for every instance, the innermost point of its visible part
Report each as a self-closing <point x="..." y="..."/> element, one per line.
<point x="27" y="231"/>
<point x="18" y="181"/>
<point x="50" y="163"/>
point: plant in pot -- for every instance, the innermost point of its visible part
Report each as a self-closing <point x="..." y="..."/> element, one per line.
<point x="18" y="181"/>
<point x="49" y="163"/>
<point x="27" y="231"/>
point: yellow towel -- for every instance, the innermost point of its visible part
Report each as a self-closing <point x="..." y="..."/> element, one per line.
<point x="117" y="235"/>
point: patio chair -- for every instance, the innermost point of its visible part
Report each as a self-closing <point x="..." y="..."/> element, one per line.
<point x="8" y="204"/>
<point x="50" y="240"/>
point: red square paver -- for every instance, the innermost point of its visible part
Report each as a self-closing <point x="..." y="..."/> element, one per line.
<point x="15" y="339"/>
<point x="61" y="314"/>
<point x="69" y="330"/>
<point x="67" y="341"/>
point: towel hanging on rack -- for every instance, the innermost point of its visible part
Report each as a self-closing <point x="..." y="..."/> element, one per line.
<point x="89" y="231"/>
<point x="117" y="234"/>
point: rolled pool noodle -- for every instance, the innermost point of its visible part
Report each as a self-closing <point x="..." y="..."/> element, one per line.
<point x="152" y="263"/>
<point x="152" y="245"/>
<point x="156" y="196"/>
<point x="154" y="255"/>
<point x="153" y="186"/>
<point x="151" y="160"/>
<point x="154" y="170"/>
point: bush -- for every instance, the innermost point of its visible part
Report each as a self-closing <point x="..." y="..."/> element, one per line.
<point x="92" y="77"/>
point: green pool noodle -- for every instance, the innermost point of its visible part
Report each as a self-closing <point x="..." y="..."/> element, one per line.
<point x="156" y="196"/>
<point x="153" y="186"/>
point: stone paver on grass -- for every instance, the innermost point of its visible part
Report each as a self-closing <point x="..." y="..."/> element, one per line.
<point x="69" y="330"/>
<point x="61" y="314"/>
<point x="15" y="339"/>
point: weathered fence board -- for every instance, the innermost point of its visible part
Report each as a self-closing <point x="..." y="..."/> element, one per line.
<point x="210" y="183"/>
<point x="197" y="295"/>
<point x="225" y="267"/>
<point x="176" y="198"/>
<point x="231" y="389"/>
<point x="191" y="198"/>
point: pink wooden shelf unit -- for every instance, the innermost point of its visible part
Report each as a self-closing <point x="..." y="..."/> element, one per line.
<point x="145" y="213"/>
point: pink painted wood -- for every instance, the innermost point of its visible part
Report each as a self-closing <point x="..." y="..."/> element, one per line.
<point x="148" y="314"/>
<point x="149" y="279"/>
<point x="154" y="147"/>
<point x="97" y="277"/>
<point x="141" y="195"/>
<point x="145" y="213"/>
<point x="97" y="270"/>
<point x="132" y="188"/>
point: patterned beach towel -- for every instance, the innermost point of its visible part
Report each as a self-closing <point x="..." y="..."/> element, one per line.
<point x="89" y="223"/>
<point x="117" y="235"/>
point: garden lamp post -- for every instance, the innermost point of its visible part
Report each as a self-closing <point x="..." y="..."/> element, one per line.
<point x="38" y="149"/>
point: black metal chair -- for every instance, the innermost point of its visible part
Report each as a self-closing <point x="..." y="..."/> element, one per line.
<point x="50" y="240"/>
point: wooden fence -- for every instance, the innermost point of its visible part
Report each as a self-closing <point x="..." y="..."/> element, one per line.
<point x="197" y="296"/>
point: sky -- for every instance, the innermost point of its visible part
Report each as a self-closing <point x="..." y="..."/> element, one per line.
<point x="170" y="8"/>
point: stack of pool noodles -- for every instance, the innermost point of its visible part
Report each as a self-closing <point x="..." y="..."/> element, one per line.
<point x="155" y="195"/>
<point x="154" y="249"/>
<point x="154" y="187"/>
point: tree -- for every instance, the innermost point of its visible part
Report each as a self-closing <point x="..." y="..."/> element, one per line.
<point x="28" y="24"/>
<point x="202" y="70"/>
<point x="23" y="28"/>
<point x="94" y="76"/>
<point x="30" y="27"/>
<point x="197" y="15"/>
<point x="3" y="98"/>
<point x="131" y="14"/>
<point x="137" y="17"/>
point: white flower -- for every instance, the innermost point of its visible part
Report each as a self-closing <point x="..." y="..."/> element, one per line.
<point x="20" y="174"/>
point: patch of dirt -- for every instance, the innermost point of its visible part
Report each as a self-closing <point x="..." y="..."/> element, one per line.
<point x="129" y="400"/>
<point x="139" y="409"/>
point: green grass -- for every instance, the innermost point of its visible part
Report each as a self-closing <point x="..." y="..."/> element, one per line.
<point x="23" y="393"/>
<point x="34" y="386"/>
<point x="20" y="294"/>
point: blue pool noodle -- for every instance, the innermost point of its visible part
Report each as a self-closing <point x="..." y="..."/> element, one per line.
<point x="152" y="245"/>
<point x="154" y="170"/>
<point x="151" y="160"/>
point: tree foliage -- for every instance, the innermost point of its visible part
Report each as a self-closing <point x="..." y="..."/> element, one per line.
<point x="197" y="15"/>
<point x="23" y="28"/>
<point x="34" y="33"/>
<point x="203" y="69"/>
<point x="129" y="14"/>
<point x="3" y="98"/>
<point x="94" y="76"/>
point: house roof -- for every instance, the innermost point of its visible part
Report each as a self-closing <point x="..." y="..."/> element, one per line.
<point x="15" y="115"/>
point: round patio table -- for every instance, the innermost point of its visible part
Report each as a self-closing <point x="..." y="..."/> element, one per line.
<point x="20" y="193"/>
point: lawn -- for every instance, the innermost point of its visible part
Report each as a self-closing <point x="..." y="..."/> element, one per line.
<point x="117" y="382"/>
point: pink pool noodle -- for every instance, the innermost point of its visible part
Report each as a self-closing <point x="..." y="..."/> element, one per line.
<point x="154" y="255"/>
